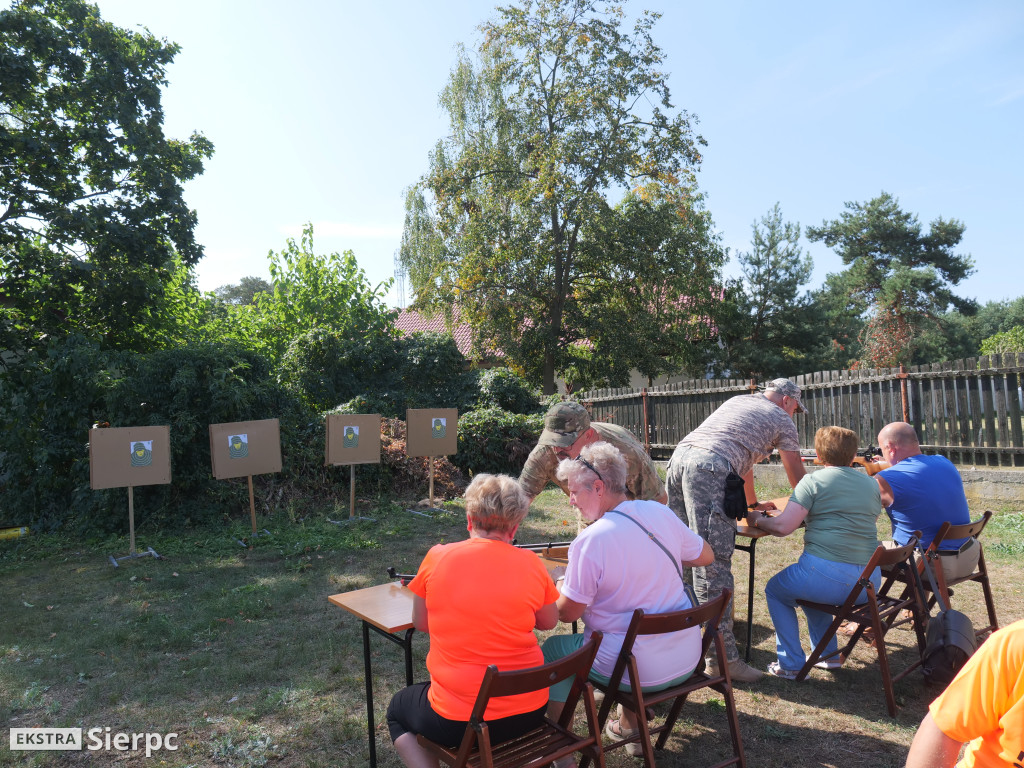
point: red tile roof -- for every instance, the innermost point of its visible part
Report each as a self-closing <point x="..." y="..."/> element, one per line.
<point x="409" y="321"/>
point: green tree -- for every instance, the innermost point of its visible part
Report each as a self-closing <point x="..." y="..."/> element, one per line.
<point x="656" y="307"/>
<point x="92" y="216"/>
<point x="245" y="292"/>
<point x="776" y="328"/>
<point x="562" y="111"/>
<point x="311" y="290"/>
<point x="1005" y="342"/>
<point x="901" y="276"/>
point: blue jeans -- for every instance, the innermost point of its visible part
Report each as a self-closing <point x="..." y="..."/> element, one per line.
<point x="816" y="579"/>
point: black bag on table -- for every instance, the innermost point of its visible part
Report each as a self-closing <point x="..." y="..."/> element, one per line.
<point x="734" y="503"/>
<point x="949" y="639"/>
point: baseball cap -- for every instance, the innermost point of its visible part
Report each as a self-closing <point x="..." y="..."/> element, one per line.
<point x="564" y="423"/>
<point x="787" y="388"/>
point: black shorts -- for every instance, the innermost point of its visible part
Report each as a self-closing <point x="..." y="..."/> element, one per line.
<point x="410" y="712"/>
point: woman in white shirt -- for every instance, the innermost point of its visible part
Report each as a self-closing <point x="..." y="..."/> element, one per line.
<point x="614" y="568"/>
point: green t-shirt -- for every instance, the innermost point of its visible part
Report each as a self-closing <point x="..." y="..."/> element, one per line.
<point x="842" y="506"/>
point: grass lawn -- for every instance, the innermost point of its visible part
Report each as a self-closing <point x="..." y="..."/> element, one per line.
<point x="239" y="652"/>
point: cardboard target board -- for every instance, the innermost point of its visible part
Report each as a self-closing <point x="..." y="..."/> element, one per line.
<point x="432" y="431"/>
<point x="125" y="457"/>
<point x="245" y="448"/>
<point x="352" y="439"/>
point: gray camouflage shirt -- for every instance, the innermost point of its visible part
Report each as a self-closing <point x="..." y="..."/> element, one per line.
<point x="744" y="430"/>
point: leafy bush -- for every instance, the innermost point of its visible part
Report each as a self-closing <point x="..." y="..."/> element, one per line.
<point x="505" y="389"/>
<point x="1005" y="342"/>
<point x="323" y="369"/>
<point x="493" y="440"/>
<point x="434" y="373"/>
<point x="190" y="388"/>
<point x="48" y="401"/>
<point x="387" y="404"/>
<point x="377" y="374"/>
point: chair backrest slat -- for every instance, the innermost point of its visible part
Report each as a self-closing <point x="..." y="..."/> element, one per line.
<point x="518" y="681"/>
<point x="948" y="532"/>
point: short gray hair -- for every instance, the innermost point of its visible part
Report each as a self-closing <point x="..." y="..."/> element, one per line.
<point x="604" y="459"/>
<point x="496" y="503"/>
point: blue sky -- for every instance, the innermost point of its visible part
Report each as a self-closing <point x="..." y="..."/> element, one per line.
<point x="325" y="112"/>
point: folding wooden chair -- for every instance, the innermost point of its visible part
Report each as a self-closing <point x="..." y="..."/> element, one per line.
<point x="636" y="700"/>
<point x="879" y="612"/>
<point x="544" y="744"/>
<point x="935" y="554"/>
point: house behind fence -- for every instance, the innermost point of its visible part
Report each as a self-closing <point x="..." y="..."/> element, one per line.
<point x="967" y="410"/>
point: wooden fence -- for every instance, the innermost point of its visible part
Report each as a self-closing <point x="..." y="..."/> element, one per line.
<point x="967" y="410"/>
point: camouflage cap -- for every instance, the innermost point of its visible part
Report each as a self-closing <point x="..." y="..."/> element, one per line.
<point x="563" y="424"/>
<point x="787" y="388"/>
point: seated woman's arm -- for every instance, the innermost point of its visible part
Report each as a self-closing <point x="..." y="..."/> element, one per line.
<point x="547" y="617"/>
<point x="419" y="613"/>
<point x="706" y="557"/>
<point x="569" y="610"/>
<point x="783" y="523"/>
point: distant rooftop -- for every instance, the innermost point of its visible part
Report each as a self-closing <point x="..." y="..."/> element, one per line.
<point x="409" y="321"/>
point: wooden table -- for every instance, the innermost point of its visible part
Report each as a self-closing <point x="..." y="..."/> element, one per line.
<point x="752" y="533"/>
<point x="387" y="610"/>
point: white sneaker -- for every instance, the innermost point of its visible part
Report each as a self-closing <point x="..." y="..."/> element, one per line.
<point x="776" y="670"/>
<point x="834" y="663"/>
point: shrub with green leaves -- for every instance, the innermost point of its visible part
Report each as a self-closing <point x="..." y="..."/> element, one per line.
<point x="377" y="373"/>
<point x="493" y="440"/>
<point x="48" y="401"/>
<point x="190" y="388"/>
<point x="505" y="389"/>
<point x="323" y="368"/>
<point x="434" y="372"/>
<point x="1005" y="342"/>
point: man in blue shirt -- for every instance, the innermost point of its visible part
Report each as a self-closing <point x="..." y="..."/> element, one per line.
<point x="922" y="492"/>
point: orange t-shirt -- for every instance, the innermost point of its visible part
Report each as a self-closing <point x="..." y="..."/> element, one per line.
<point x="482" y="598"/>
<point x="985" y="702"/>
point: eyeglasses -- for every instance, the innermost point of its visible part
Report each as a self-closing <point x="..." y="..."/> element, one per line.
<point x="589" y="466"/>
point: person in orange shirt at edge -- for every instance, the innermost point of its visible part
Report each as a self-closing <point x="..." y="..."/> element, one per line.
<point x="480" y="600"/>
<point x="983" y="705"/>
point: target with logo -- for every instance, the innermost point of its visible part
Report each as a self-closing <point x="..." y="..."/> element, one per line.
<point x="352" y="438"/>
<point x="432" y="431"/>
<point x="238" y="446"/>
<point x="142" y="453"/>
<point x="245" y="448"/>
<point x="124" y="457"/>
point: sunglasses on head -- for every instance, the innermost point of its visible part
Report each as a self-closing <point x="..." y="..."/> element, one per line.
<point x="589" y="466"/>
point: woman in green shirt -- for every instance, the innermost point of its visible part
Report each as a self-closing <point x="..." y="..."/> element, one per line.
<point x="839" y="506"/>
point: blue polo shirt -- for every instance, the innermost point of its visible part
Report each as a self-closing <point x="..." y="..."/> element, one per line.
<point x="926" y="492"/>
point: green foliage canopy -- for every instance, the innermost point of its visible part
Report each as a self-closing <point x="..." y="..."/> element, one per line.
<point x="776" y="327"/>
<point x="1005" y="342"/>
<point x="309" y="291"/>
<point x="92" y="215"/>
<point x="514" y="227"/>
<point x="899" y="275"/>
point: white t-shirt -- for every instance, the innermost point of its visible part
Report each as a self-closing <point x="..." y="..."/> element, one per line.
<point x="614" y="568"/>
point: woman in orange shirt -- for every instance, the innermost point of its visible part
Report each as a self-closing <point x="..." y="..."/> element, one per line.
<point x="480" y="600"/>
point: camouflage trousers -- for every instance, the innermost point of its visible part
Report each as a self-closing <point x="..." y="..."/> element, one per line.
<point x="696" y="488"/>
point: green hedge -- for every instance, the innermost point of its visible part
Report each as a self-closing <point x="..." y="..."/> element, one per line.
<point x="494" y="440"/>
